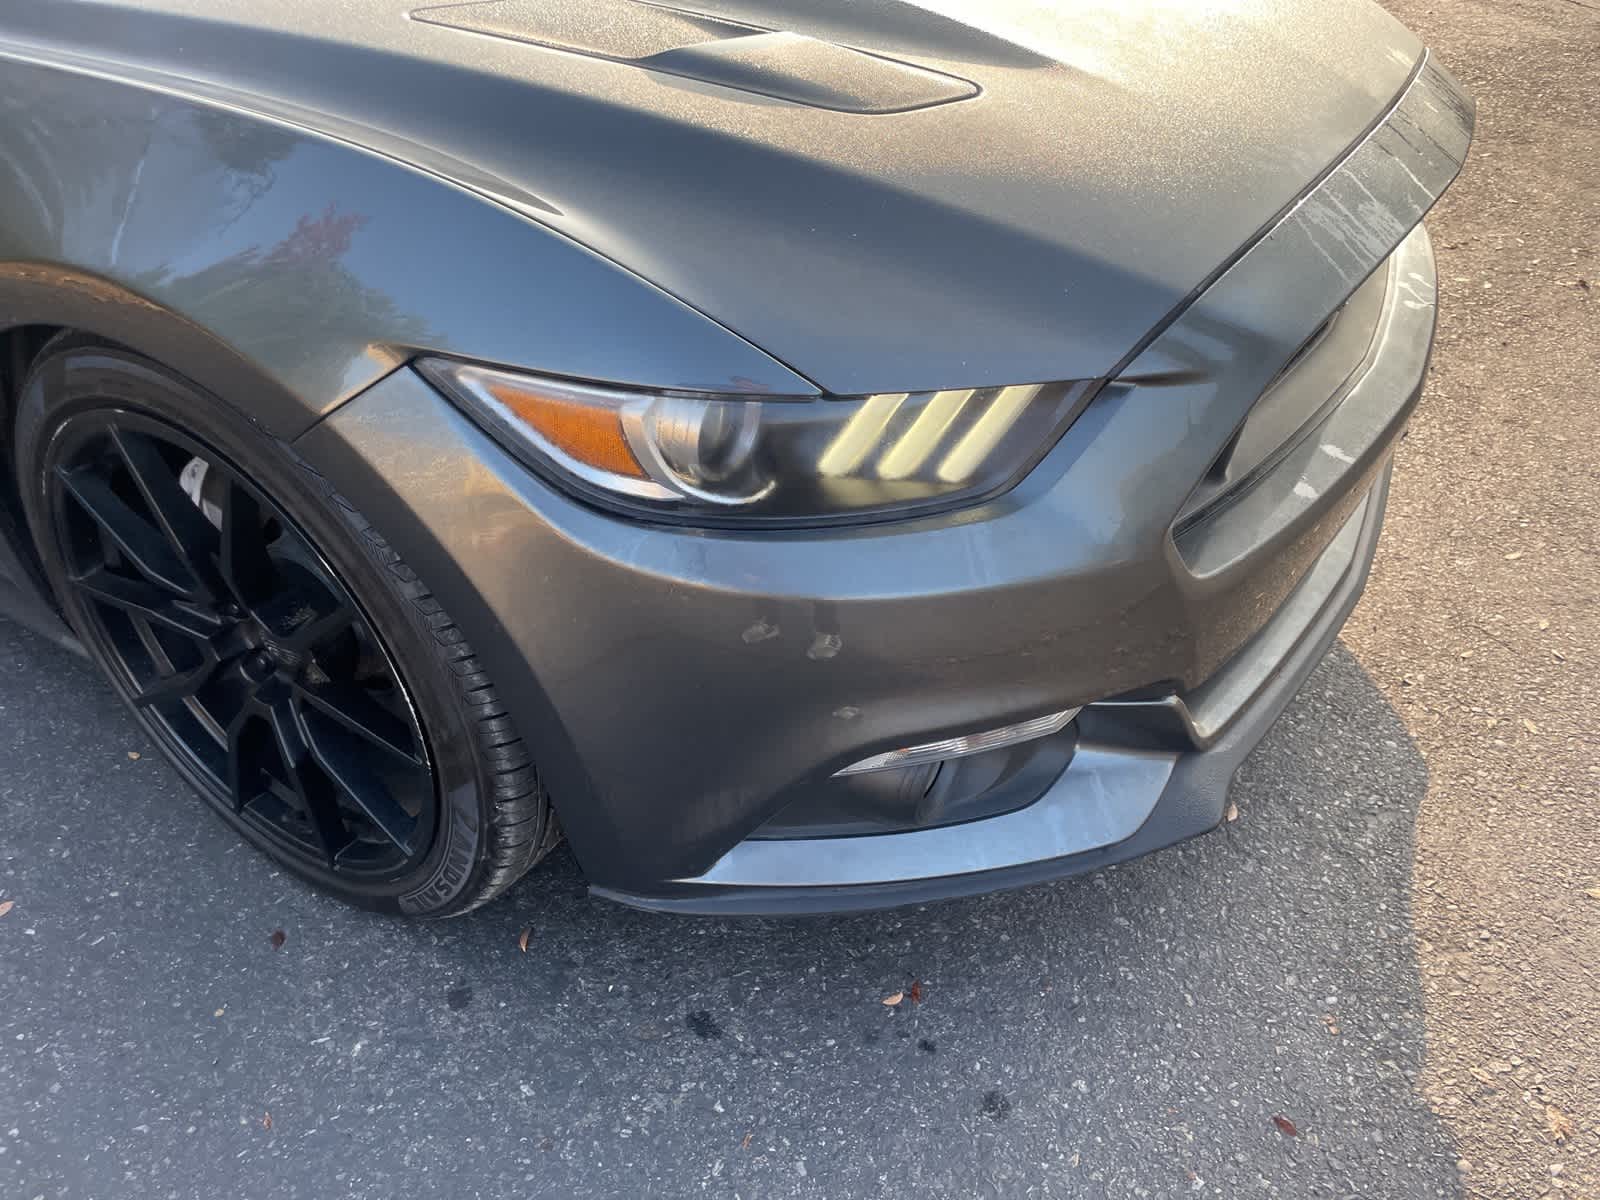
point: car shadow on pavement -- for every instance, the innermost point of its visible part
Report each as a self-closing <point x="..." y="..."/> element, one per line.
<point x="1239" y="1015"/>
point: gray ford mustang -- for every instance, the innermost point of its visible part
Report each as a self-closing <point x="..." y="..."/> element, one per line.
<point x="833" y="454"/>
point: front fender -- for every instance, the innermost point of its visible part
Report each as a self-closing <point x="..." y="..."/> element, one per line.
<point x="287" y="270"/>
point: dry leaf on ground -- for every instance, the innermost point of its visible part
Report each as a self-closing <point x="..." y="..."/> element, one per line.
<point x="1285" y="1126"/>
<point x="916" y="991"/>
<point x="895" y="999"/>
<point x="522" y="942"/>
<point x="1560" y="1125"/>
<point x="278" y="939"/>
<point x="6" y="906"/>
<point x="266" y="1120"/>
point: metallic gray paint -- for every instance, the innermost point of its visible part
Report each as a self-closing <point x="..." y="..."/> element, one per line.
<point x="742" y="666"/>
<point x="1190" y="789"/>
<point x="1116" y="155"/>
<point x="287" y="202"/>
<point x="1107" y="792"/>
<point x="287" y="271"/>
<point x="765" y="62"/>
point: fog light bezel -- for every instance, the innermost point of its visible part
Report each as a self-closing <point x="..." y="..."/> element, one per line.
<point x="965" y="745"/>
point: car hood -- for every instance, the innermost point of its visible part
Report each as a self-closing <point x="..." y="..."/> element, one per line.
<point x="884" y="195"/>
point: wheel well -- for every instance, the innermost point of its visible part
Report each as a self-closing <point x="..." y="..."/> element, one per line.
<point x="19" y="346"/>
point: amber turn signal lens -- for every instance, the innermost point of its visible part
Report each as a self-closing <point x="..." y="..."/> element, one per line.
<point x="590" y="434"/>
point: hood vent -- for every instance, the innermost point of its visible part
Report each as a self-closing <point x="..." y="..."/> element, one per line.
<point x="747" y="58"/>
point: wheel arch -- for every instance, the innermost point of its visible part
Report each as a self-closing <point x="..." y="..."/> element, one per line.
<point x="40" y="302"/>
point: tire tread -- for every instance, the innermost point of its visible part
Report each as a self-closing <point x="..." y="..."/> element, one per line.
<point x="522" y="825"/>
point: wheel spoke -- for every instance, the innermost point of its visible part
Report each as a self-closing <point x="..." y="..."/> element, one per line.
<point x="172" y="682"/>
<point x="310" y="783"/>
<point x="340" y="757"/>
<point x="176" y="686"/>
<point x="318" y="630"/>
<point x="241" y="775"/>
<point x="305" y="611"/>
<point x="141" y="542"/>
<point x="244" y="562"/>
<point x="244" y="652"/>
<point x="150" y="602"/>
<point x="362" y="716"/>
<point x="190" y="536"/>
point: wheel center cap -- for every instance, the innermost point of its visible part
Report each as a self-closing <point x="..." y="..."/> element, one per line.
<point x="282" y="655"/>
<point x="267" y="655"/>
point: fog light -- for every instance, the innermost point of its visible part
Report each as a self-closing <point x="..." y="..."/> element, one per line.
<point x="960" y="747"/>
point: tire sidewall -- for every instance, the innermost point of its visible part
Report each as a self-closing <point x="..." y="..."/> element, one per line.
<point x="70" y="382"/>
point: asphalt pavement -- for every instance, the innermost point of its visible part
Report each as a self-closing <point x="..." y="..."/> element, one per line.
<point x="1140" y="1032"/>
<point x="1378" y="981"/>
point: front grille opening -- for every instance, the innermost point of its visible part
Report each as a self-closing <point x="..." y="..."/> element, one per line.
<point x="1218" y="474"/>
<point x="1299" y="394"/>
<point x="1221" y="472"/>
<point x="1306" y="347"/>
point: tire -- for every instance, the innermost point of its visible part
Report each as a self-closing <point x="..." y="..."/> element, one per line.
<point x="424" y="802"/>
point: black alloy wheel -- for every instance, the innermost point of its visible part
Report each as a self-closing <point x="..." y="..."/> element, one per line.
<point x="281" y="653"/>
<point x="250" y="658"/>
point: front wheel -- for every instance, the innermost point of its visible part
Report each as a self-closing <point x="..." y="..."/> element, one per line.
<point x="284" y="658"/>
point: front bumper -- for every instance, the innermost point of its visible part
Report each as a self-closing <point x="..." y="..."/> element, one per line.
<point x="1112" y="803"/>
<point x="680" y="688"/>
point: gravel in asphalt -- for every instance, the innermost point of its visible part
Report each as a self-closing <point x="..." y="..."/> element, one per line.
<point x="1481" y="627"/>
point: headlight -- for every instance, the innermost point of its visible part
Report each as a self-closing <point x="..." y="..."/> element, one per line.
<point x="773" y="459"/>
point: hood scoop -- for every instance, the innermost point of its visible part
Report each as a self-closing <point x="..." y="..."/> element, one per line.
<point x="747" y="58"/>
